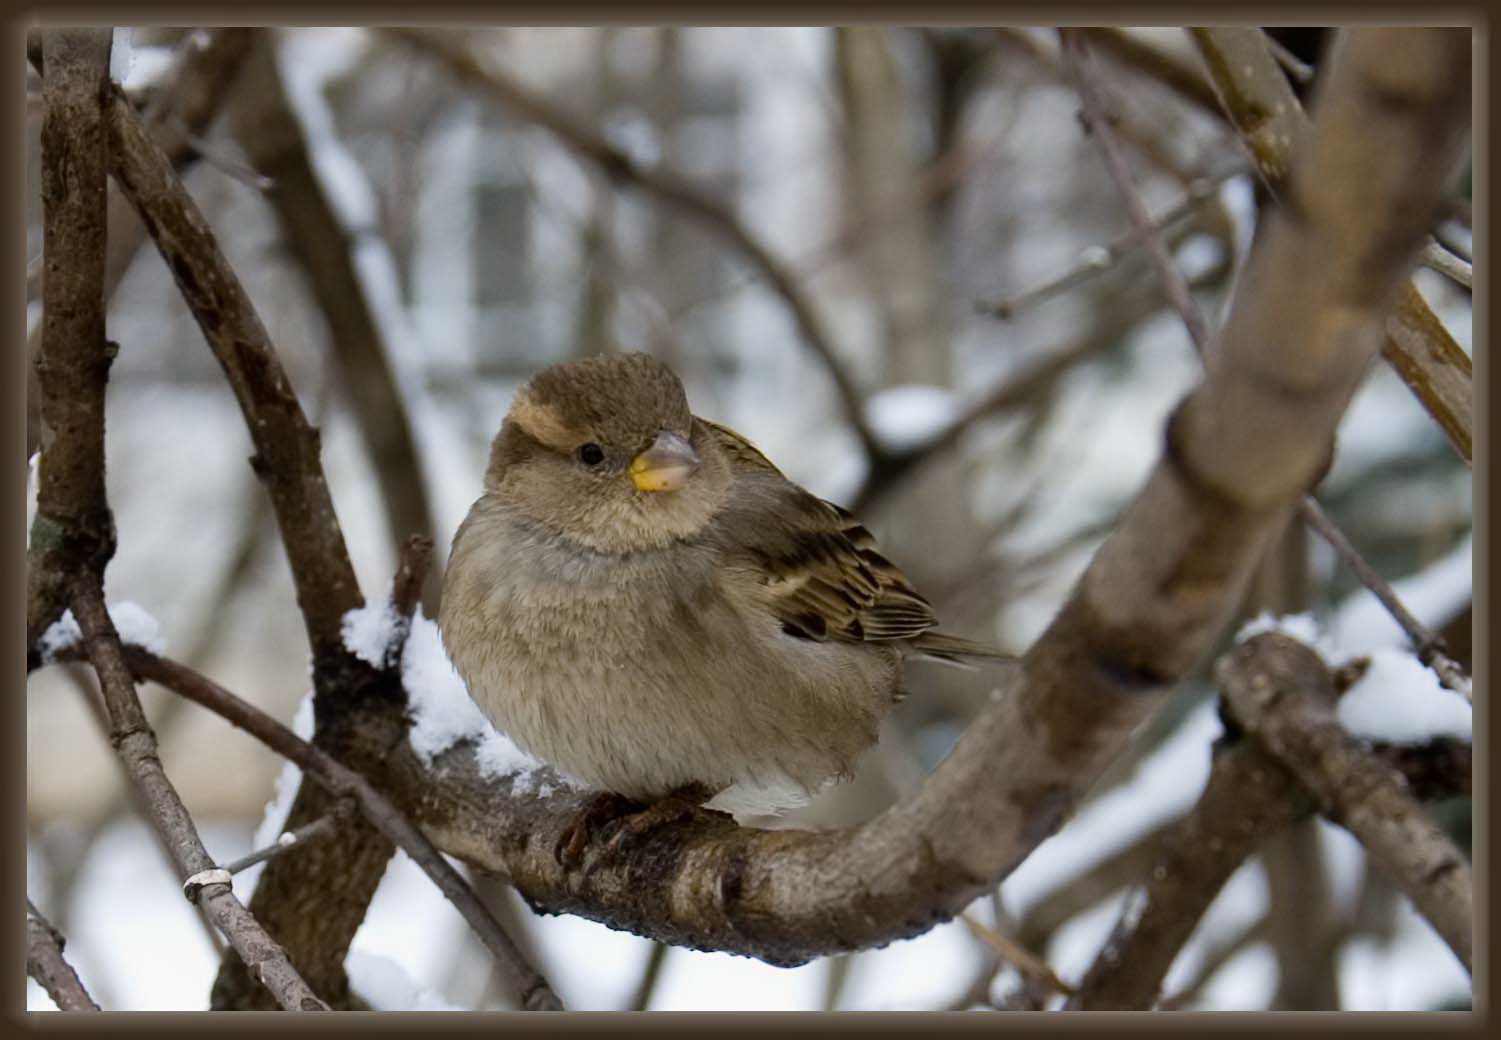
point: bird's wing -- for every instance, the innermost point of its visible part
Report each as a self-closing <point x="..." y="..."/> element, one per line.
<point x="815" y="566"/>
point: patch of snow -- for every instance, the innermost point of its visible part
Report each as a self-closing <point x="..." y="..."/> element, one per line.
<point x="367" y="631"/>
<point x="1301" y="627"/>
<point x="136" y="627"/>
<point x="119" y="54"/>
<point x="443" y="713"/>
<point x="906" y="416"/>
<point x="147" y="66"/>
<point x="1400" y="699"/>
<point x="386" y="986"/>
<point x="287" y="781"/>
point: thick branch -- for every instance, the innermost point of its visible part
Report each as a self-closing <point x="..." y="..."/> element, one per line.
<point x="1241" y="449"/>
<point x="1296" y="723"/>
<point x="1096" y="110"/>
<point x="287" y="447"/>
<point x="272" y="135"/>
<point x="45" y="963"/>
<point x="73" y="528"/>
<point x="178" y="115"/>
<point x="674" y="191"/>
<point x="1262" y="106"/>
<point x="1248" y="798"/>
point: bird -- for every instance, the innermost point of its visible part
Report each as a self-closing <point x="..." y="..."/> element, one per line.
<point x="642" y="600"/>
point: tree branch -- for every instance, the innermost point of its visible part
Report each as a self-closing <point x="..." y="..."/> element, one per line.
<point x="270" y="131"/>
<point x="1249" y="797"/>
<point x="1295" y="721"/>
<point x="1096" y="109"/>
<point x="45" y="963"/>
<point x="287" y="447"/>
<point x="1260" y="104"/>
<point x="73" y="529"/>
<point x="672" y="190"/>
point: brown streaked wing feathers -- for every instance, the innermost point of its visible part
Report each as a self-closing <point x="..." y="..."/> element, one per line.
<point x="827" y="579"/>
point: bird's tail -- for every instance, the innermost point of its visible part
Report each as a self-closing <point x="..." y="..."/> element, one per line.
<point x="954" y="650"/>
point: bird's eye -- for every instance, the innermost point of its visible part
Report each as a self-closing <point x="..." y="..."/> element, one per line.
<point x="591" y="454"/>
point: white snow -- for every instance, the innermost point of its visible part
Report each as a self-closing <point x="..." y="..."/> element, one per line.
<point x="367" y="631"/>
<point x="135" y="625"/>
<point x="287" y="781"/>
<point x="1399" y="699"/>
<point x="386" y="986"/>
<point x="1301" y="627"/>
<point x="443" y="713"/>
<point x="906" y="416"/>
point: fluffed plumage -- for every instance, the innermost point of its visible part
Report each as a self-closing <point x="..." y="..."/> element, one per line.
<point x="643" y="600"/>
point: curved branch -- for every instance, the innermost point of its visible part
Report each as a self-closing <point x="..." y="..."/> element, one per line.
<point x="1241" y="449"/>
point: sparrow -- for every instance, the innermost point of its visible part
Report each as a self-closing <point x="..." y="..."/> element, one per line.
<point x="642" y="600"/>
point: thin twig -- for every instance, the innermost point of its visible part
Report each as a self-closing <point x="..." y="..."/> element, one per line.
<point x="1018" y="956"/>
<point x="1295" y="67"/>
<point x="136" y="745"/>
<point x="45" y="963"/>
<point x="1094" y="260"/>
<point x="651" y="974"/>
<point x="1213" y="961"/>
<point x="673" y="190"/>
<point x="1096" y="106"/>
<point x="1455" y="269"/>
<point x="1099" y="114"/>
<point x="531" y="988"/>
<point x="285" y="842"/>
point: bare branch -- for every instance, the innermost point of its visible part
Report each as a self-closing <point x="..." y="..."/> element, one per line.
<point x="73" y="528"/>
<point x="672" y="190"/>
<point x="531" y="989"/>
<point x="1439" y="259"/>
<point x="1429" y="646"/>
<point x="136" y="745"/>
<point x="1098" y="115"/>
<point x="1096" y="259"/>
<point x="1248" y="797"/>
<point x="320" y="827"/>
<point x="269" y="130"/>
<point x="1260" y="104"/>
<point x="287" y="447"/>
<point x="1272" y="686"/>
<point x="1021" y="958"/>
<point x="45" y="963"/>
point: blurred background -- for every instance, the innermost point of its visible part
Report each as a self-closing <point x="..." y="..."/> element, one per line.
<point x="933" y="197"/>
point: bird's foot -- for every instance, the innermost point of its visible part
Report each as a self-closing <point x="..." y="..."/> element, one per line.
<point x="596" y="813"/>
<point x="627" y="821"/>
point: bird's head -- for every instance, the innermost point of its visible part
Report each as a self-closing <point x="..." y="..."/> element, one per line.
<point x="605" y="451"/>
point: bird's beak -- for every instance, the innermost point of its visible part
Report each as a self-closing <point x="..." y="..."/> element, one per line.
<point x="666" y="465"/>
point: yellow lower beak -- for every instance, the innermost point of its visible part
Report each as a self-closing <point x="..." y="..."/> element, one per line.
<point x="665" y="466"/>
